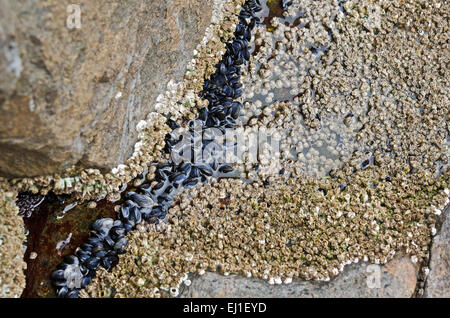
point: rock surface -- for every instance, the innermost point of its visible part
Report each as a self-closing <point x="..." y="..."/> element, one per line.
<point x="438" y="281"/>
<point x="74" y="96"/>
<point x="396" y="279"/>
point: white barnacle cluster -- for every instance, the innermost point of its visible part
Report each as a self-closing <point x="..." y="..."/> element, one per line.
<point x="319" y="210"/>
<point x="170" y="103"/>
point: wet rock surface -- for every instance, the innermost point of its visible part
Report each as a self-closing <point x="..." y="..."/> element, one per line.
<point x="395" y="279"/>
<point x="61" y="88"/>
<point x="438" y="282"/>
<point x="55" y="229"/>
<point x="377" y="193"/>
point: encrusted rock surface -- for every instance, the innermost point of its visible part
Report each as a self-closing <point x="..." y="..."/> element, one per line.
<point x="281" y="228"/>
<point x="12" y="235"/>
<point x="383" y="200"/>
<point x="74" y="96"/>
<point x="438" y="281"/>
<point x="396" y="279"/>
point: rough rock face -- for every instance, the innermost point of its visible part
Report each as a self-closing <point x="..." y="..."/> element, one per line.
<point x="395" y="279"/>
<point x="74" y="96"/>
<point x="12" y="235"/>
<point x="438" y="282"/>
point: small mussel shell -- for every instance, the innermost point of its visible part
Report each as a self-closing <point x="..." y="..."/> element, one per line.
<point x="186" y="167"/>
<point x="94" y="241"/>
<point x="82" y="255"/>
<point x="97" y="235"/>
<point x="85" y="281"/>
<point x="146" y="213"/>
<point x="117" y="223"/>
<point x="169" y="189"/>
<point x="117" y="231"/>
<point x="110" y="261"/>
<point x="157" y="211"/>
<point x="146" y="187"/>
<point x="109" y="241"/>
<point x="226" y="169"/>
<point x="92" y="263"/>
<point x="141" y="200"/>
<point x="62" y="292"/>
<point x="172" y="124"/>
<point x="73" y="293"/>
<point x="205" y="170"/>
<point x="222" y="68"/>
<point x="214" y="165"/>
<point x="189" y="183"/>
<point x="195" y="172"/>
<point x="177" y="177"/>
<point x="71" y="259"/>
<point x="120" y="245"/>
<point x="285" y="4"/>
<point x="84" y="270"/>
<point x="160" y="176"/>
<point x="58" y="274"/>
<point x="237" y="93"/>
<point x="124" y="212"/>
<point x="228" y="90"/>
<point x="59" y="283"/>
<point x="159" y="185"/>
<point x="234" y="110"/>
<point x="136" y="215"/>
<point x="128" y="225"/>
<point x="164" y="198"/>
<point x="86" y="247"/>
<point x="100" y="254"/>
<point x="98" y="247"/>
<point x="103" y="224"/>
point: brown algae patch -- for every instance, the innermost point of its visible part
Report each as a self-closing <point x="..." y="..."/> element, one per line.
<point x="12" y="236"/>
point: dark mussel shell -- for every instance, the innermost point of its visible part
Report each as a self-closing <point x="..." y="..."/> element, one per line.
<point x="58" y="274"/>
<point x="92" y="263"/>
<point x="141" y="200"/>
<point x="226" y="169"/>
<point x="73" y="293"/>
<point x="220" y="90"/>
<point x="71" y="259"/>
<point x="110" y="261"/>
<point x="62" y="292"/>
<point x="85" y="281"/>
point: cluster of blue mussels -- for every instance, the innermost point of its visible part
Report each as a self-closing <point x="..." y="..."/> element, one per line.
<point x="107" y="239"/>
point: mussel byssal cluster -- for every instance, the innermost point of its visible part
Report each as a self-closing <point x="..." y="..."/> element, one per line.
<point x="151" y="202"/>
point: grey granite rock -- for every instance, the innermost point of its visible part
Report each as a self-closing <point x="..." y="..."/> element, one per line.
<point x="73" y="96"/>
<point x="396" y="279"/>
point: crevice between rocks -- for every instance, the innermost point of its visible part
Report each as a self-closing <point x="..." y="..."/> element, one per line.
<point x="422" y="278"/>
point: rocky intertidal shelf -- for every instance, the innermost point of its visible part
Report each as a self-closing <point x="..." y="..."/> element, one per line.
<point x="152" y="200"/>
<point x="385" y="194"/>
